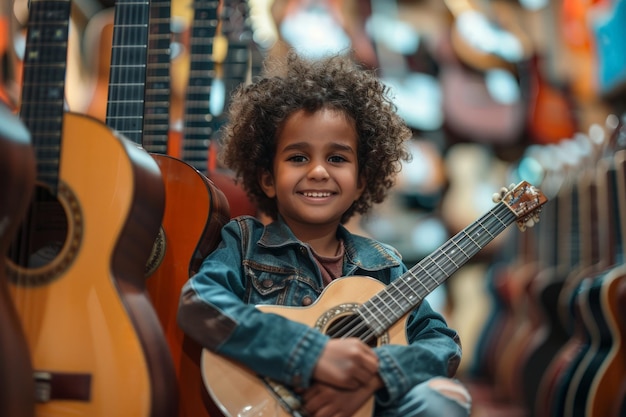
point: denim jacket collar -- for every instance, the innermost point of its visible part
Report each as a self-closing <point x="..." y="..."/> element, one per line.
<point x="360" y="251"/>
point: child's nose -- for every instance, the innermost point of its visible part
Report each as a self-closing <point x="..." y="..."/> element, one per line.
<point x="318" y="171"/>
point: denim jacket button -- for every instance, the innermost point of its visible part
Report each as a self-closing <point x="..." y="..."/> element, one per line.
<point x="307" y="301"/>
<point x="267" y="283"/>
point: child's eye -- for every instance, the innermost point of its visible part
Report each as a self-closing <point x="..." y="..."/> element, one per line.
<point x="297" y="158"/>
<point x="336" y="159"/>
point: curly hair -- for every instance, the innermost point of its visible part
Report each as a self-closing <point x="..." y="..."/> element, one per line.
<point x="258" y="111"/>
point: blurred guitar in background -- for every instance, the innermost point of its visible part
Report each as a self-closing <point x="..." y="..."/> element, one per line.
<point x="17" y="180"/>
<point x="76" y="265"/>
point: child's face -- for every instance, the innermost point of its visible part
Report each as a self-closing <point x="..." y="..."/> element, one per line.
<point x="315" y="177"/>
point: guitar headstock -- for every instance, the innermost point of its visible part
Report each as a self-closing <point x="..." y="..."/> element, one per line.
<point x="524" y="200"/>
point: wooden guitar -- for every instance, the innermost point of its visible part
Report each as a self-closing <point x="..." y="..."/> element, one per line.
<point x="76" y="265"/>
<point x="362" y="307"/>
<point x="195" y="210"/>
<point x="592" y="382"/>
<point x="592" y="386"/>
<point x="17" y="180"/>
<point x="584" y="229"/>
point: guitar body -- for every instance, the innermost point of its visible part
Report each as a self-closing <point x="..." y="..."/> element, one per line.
<point x="17" y="178"/>
<point x="237" y="391"/>
<point x="523" y="323"/>
<point x="195" y="211"/>
<point x="549" y="337"/>
<point x="594" y="385"/>
<point x="556" y="374"/>
<point x="84" y="309"/>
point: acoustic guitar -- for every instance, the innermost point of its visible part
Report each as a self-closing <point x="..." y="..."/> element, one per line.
<point x="17" y="180"/>
<point x="76" y="265"/>
<point x="362" y="307"/>
<point x="195" y="210"/>
<point x="592" y="383"/>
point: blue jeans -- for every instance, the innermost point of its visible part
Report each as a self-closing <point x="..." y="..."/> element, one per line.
<point x="438" y="397"/>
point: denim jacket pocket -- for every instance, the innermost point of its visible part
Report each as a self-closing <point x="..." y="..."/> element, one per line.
<point x="276" y="285"/>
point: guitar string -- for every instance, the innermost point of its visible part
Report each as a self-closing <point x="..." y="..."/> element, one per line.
<point x="133" y="38"/>
<point x="358" y="326"/>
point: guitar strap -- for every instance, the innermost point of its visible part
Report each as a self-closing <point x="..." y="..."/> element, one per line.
<point x="62" y="386"/>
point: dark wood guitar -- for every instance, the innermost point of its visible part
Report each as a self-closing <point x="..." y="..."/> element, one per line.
<point x="590" y="263"/>
<point x="195" y="210"/>
<point x="592" y="382"/>
<point x="17" y="180"/>
<point x="363" y="307"/>
<point x="76" y="266"/>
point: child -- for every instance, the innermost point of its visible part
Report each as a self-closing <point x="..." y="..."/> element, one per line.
<point x="315" y="142"/>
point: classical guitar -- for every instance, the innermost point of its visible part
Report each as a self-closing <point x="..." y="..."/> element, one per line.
<point x="585" y="255"/>
<point x="591" y="384"/>
<point x="362" y="307"/>
<point x="195" y="209"/>
<point x="17" y="180"/>
<point x="76" y="265"/>
<point x="592" y="387"/>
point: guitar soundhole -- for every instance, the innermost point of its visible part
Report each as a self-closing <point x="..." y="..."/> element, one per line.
<point x="48" y="239"/>
<point x="342" y="321"/>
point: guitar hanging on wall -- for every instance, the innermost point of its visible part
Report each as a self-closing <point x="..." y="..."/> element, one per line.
<point x="76" y="265"/>
<point x="363" y="307"/>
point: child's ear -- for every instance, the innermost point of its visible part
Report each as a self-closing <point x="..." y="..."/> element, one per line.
<point x="266" y="181"/>
<point x="360" y="186"/>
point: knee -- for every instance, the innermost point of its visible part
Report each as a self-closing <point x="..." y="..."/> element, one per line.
<point x="451" y="389"/>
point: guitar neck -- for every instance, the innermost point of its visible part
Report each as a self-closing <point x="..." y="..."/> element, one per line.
<point x="43" y="86"/>
<point x="157" y="94"/>
<point x="127" y="79"/>
<point x="408" y="291"/>
<point x="207" y="96"/>
<point x="198" y="126"/>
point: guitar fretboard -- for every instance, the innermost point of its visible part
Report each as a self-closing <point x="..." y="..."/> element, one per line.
<point x="43" y="86"/>
<point x="127" y="78"/>
<point x="408" y="291"/>
<point x="157" y="95"/>
<point x="198" y="123"/>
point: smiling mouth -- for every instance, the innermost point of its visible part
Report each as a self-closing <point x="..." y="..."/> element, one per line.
<point x="317" y="194"/>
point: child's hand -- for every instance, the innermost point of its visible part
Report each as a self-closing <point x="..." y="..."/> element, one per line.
<point x="346" y="364"/>
<point x="322" y="400"/>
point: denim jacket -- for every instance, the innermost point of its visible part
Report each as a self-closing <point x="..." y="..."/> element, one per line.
<point x="256" y="264"/>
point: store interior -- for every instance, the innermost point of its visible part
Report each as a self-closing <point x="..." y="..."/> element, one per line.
<point x="496" y="92"/>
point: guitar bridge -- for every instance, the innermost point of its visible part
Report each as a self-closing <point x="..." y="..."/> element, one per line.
<point x="288" y="399"/>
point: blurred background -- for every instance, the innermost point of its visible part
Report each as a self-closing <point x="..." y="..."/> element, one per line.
<point x="496" y="91"/>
